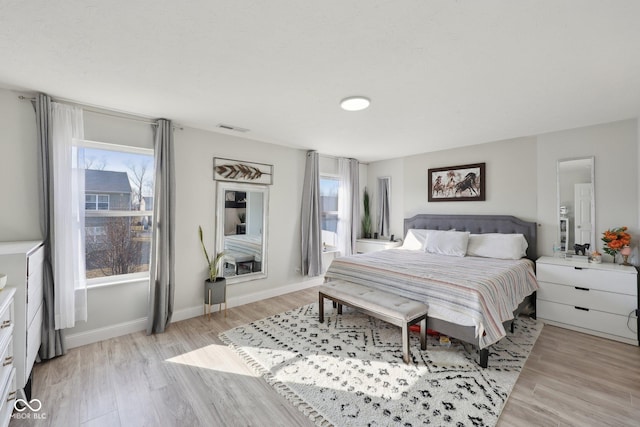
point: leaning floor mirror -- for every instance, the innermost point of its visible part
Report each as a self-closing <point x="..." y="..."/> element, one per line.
<point x="241" y="230"/>
<point x="576" y="204"/>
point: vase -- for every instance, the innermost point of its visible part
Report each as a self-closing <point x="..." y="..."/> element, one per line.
<point x="215" y="293"/>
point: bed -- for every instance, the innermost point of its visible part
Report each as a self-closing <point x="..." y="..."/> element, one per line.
<point x="246" y="244"/>
<point x="473" y="299"/>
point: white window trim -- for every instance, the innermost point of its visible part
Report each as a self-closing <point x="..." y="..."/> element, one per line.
<point x="122" y="279"/>
<point x="86" y="143"/>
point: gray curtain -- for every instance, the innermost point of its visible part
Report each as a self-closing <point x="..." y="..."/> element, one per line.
<point x="311" y="231"/>
<point x="53" y="343"/>
<point x="162" y="268"/>
<point x="383" y="206"/>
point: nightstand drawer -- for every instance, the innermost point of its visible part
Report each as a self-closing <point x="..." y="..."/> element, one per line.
<point x="594" y="320"/>
<point x="609" y="302"/>
<point x="608" y="281"/>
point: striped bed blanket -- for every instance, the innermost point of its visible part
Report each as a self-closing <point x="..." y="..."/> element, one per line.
<point x="468" y="291"/>
<point x="248" y="244"/>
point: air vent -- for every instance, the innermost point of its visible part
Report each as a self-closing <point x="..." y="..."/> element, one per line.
<point x="232" y="128"/>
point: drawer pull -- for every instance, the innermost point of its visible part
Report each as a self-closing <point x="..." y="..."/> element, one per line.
<point x="8" y="361"/>
<point x="11" y="396"/>
<point x="5" y="324"/>
<point x="581" y="289"/>
<point x="581" y="308"/>
<point x="577" y="268"/>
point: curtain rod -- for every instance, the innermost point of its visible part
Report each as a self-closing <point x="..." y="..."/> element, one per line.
<point x="102" y="111"/>
<point x="327" y="156"/>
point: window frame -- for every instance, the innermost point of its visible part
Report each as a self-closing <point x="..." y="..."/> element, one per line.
<point x="99" y="282"/>
<point x="333" y="177"/>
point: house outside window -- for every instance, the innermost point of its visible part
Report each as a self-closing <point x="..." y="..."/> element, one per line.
<point x="329" y="187"/>
<point x="94" y="202"/>
<point x="118" y="212"/>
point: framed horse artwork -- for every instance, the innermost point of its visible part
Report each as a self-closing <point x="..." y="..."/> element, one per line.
<point x="457" y="183"/>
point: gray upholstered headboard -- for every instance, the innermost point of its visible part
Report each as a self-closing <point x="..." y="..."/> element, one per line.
<point x="478" y="224"/>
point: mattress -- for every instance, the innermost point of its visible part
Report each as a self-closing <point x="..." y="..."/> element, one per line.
<point x="467" y="291"/>
<point x="248" y="244"/>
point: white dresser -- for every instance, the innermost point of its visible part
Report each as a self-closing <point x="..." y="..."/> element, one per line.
<point x="364" y="246"/>
<point x="7" y="370"/>
<point x="22" y="262"/>
<point x="597" y="299"/>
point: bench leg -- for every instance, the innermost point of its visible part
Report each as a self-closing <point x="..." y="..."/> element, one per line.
<point x="423" y="334"/>
<point x="484" y="357"/>
<point x="339" y="308"/>
<point x="406" y="356"/>
<point x="321" y="307"/>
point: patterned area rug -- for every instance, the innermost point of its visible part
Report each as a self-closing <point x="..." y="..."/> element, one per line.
<point x="349" y="370"/>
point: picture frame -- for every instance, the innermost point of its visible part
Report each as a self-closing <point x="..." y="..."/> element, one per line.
<point x="241" y="171"/>
<point x="463" y="183"/>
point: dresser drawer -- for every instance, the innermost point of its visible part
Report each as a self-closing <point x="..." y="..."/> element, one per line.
<point x="609" y="281"/>
<point x="6" y="318"/>
<point x="594" y="320"/>
<point x="34" y="338"/>
<point x="34" y="283"/>
<point x="6" y="363"/>
<point x="8" y="395"/>
<point x="35" y="262"/>
<point x="609" y="302"/>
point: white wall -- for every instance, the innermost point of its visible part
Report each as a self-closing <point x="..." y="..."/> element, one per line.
<point x="19" y="202"/>
<point x="510" y="181"/>
<point x="195" y="189"/>
<point x="521" y="178"/>
<point x="615" y="148"/>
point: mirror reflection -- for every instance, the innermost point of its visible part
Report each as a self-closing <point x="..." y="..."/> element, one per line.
<point x="242" y="219"/>
<point x="576" y="203"/>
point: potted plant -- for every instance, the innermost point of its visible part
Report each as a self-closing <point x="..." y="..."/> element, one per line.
<point x="215" y="287"/>
<point x="366" y="218"/>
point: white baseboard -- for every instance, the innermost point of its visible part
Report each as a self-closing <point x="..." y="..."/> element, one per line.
<point x="101" y="334"/>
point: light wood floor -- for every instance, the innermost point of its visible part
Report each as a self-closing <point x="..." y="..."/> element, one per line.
<point x="138" y="380"/>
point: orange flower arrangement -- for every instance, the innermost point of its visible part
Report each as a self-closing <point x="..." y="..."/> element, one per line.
<point x="615" y="239"/>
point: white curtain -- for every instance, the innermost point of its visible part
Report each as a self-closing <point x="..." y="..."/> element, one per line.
<point x="68" y="213"/>
<point x="348" y="209"/>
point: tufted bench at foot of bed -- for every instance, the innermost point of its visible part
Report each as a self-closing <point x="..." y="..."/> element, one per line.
<point x="385" y="306"/>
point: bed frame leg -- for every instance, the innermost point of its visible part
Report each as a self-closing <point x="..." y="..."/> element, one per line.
<point x="484" y="357"/>
<point x="321" y="307"/>
<point x="513" y="326"/>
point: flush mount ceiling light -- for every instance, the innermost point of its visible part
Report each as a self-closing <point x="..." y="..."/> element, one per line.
<point x="355" y="103"/>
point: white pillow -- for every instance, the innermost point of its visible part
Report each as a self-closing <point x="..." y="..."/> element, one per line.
<point x="497" y="245"/>
<point x="415" y="239"/>
<point x="452" y="243"/>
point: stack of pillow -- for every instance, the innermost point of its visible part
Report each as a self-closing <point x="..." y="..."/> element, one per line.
<point x="463" y="243"/>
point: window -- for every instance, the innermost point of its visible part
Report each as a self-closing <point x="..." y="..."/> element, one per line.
<point x="118" y="212"/>
<point x="95" y="202"/>
<point x="329" y="186"/>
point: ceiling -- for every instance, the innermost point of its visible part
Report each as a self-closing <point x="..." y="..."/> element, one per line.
<point x="440" y="74"/>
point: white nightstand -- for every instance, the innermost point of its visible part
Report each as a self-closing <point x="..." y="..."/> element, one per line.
<point x="364" y="246"/>
<point x="597" y="299"/>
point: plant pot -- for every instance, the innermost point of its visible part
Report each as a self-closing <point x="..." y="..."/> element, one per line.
<point x="215" y="292"/>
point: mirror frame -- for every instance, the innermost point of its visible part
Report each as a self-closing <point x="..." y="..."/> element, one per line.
<point x="569" y="250"/>
<point x="221" y="188"/>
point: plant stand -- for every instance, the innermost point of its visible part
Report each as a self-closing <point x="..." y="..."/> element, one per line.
<point x="215" y="293"/>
